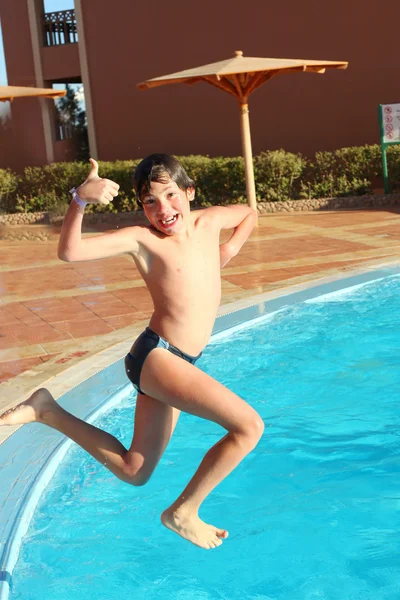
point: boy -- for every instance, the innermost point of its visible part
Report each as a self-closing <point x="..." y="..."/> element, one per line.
<point x="179" y="258"/>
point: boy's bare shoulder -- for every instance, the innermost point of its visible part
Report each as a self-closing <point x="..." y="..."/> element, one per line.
<point x="141" y="234"/>
<point x="204" y="217"/>
<point x="208" y="215"/>
<point x="137" y="230"/>
<point x="224" y="217"/>
<point x="133" y="232"/>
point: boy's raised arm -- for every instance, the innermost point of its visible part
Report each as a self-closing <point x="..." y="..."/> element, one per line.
<point x="71" y="246"/>
<point x="240" y="218"/>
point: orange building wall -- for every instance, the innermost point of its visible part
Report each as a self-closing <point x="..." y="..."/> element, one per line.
<point x="27" y="146"/>
<point x="61" y="63"/>
<point x="298" y="112"/>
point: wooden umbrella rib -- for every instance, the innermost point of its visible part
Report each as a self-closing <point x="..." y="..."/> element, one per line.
<point x="156" y="83"/>
<point x="258" y="80"/>
<point x="290" y="70"/>
<point x="315" y="69"/>
<point x="263" y="76"/>
<point x="239" y="88"/>
<point x="148" y="85"/>
<point x="255" y="81"/>
<point x="222" y="85"/>
<point x="193" y="80"/>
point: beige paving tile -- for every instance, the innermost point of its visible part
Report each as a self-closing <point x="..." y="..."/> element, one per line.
<point x="22" y="352"/>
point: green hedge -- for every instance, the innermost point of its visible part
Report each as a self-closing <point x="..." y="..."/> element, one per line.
<point x="8" y="190"/>
<point x="279" y="176"/>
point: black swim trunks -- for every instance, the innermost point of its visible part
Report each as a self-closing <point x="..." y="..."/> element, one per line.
<point x="146" y="342"/>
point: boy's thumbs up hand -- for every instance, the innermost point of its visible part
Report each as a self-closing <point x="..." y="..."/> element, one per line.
<point x="95" y="189"/>
<point x="94" y="171"/>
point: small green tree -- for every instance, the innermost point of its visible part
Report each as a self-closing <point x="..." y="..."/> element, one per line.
<point x="74" y="121"/>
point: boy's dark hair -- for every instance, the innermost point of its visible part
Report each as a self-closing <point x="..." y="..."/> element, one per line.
<point x="155" y="168"/>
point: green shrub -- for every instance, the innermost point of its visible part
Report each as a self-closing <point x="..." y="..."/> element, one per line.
<point x="218" y="180"/>
<point x="343" y="172"/>
<point x="225" y="182"/>
<point x="277" y="174"/>
<point x="8" y="188"/>
<point x="42" y="202"/>
<point x="393" y="160"/>
<point x="198" y="168"/>
<point x="46" y="188"/>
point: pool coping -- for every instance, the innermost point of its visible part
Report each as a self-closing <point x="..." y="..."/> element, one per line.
<point x="31" y="454"/>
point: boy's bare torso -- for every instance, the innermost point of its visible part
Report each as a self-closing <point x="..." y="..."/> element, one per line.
<point x="182" y="274"/>
<point x="178" y="255"/>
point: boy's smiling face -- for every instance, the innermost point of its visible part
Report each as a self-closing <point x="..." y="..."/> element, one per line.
<point x="166" y="206"/>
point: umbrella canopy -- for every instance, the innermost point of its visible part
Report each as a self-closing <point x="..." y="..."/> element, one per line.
<point x="255" y="71"/>
<point x="9" y="92"/>
<point x="240" y="76"/>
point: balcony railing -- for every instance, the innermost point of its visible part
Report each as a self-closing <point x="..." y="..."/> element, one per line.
<point x="60" y="28"/>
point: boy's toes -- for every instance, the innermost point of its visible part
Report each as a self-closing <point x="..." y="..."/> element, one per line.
<point x="217" y="542"/>
<point x="222" y="533"/>
<point x="214" y="543"/>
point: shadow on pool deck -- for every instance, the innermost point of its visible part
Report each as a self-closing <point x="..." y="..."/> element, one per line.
<point x="54" y="314"/>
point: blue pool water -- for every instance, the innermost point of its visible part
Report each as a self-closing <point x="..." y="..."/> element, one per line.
<point x="313" y="512"/>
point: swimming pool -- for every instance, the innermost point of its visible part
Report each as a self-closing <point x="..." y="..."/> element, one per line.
<point x="312" y="512"/>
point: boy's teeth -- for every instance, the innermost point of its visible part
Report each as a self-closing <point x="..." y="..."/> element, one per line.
<point x="169" y="220"/>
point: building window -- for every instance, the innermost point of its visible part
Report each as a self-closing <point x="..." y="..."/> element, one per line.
<point x="60" y="28"/>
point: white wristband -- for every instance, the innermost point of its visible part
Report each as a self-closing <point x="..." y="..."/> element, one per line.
<point x="76" y="198"/>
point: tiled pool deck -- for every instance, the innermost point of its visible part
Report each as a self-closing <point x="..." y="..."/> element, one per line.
<point x="55" y="315"/>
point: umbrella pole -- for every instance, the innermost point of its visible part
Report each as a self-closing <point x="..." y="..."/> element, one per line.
<point x="248" y="155"/>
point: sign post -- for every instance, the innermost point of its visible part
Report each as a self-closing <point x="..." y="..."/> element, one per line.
<point x="389" y="123"/>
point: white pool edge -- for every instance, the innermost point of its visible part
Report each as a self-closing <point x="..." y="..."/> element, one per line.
<point x="35" y="490"/>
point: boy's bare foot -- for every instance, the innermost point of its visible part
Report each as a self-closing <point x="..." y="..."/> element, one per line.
<point x="33" y="409"/>
<point x="192" y="528"/>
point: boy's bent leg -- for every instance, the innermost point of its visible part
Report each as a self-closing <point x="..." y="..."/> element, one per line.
<point x="181" y="385"/>
<point x="154" y="423"/>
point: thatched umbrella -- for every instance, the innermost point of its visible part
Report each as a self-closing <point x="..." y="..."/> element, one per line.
<point x="240" y="76"/>
<point x="9" y="92"/>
